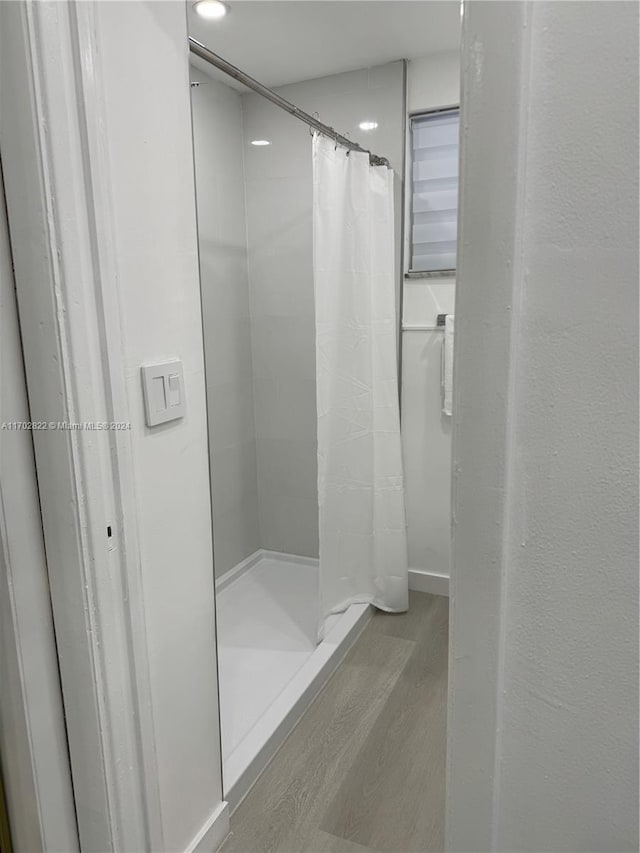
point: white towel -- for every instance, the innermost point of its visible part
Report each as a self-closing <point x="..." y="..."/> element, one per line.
<point x="447" y="365"/>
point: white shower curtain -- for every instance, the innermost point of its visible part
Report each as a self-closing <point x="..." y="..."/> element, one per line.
<point x="363" y="539"/>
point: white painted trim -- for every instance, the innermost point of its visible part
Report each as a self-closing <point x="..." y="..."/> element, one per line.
<point x="33" y="741"/>
<point x="434" y="583"/>
<point x="213" y="833"/>
<point x="108" y="299"/>
<point x="58" y="200"/>
<point x="487" y="296"/>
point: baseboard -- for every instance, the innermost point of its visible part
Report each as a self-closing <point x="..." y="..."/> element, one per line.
<point x="213" y="833"/>
<point x="420" y="580"/>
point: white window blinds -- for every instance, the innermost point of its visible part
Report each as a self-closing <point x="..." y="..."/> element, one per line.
<point x="434" y="210"/>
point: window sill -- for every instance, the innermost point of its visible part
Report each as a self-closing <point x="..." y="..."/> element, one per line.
<point x="430" y="274"/>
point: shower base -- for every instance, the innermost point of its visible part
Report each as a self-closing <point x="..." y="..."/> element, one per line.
<point x="270" y="665"/>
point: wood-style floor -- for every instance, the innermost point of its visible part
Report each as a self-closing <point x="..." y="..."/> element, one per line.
<point x="364" y="769"/>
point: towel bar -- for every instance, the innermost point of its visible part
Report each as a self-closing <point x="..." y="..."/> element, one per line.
<point x="413" y="327"/>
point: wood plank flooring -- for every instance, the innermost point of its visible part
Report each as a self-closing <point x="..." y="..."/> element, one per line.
<point x="364" y="769"/>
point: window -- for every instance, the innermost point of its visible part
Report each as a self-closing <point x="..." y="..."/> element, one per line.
<point x="434" y="191"/>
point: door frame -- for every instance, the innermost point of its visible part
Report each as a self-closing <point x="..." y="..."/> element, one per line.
<point x="59" y="208"/>
<point x="35" y="782"/>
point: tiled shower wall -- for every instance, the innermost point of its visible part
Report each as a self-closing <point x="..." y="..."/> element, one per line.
<point x="255" y="205"/>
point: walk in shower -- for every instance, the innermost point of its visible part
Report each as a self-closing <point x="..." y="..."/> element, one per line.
<point x="255" y="196"/>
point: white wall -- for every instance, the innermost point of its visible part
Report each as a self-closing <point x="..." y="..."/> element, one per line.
<point x="143" y="49"/>
<point x="433" y="82"/>
<point x="543" y="717"/>
<point x="222" y="237"/>
<point x="279" y="216"/>
<point x="426" y="431"/>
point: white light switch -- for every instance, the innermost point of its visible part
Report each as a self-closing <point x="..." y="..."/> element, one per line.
<point x="158" y="398"/>
<point x="173" y="390"/>
<point x="163" y="388"/>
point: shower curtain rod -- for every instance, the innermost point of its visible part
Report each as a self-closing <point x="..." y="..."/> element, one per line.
<point x="213" y="59"/>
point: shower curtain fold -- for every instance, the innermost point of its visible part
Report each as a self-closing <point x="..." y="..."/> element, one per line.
<point x="363" y="540"/>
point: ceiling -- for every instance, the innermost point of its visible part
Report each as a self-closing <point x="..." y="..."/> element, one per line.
<point x="284" y="41"/>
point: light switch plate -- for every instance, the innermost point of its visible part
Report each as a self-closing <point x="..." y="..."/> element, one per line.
<point x="163" y="389"/>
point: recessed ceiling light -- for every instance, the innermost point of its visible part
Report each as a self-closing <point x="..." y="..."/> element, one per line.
<point x="213" y="10"/>
<point x="368" y="125"/>
<point x="260" y="142"/>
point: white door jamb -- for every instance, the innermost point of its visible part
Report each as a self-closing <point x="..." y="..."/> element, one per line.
<point x="58" y="197"/>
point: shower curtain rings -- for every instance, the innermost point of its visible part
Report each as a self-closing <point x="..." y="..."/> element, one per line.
<point x="226" y="67"/>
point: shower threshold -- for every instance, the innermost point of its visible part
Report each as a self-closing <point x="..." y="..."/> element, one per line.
<point x="270" y="665"/>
